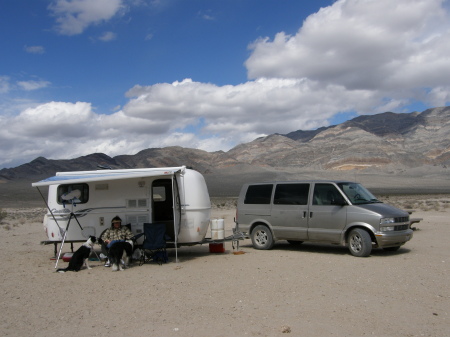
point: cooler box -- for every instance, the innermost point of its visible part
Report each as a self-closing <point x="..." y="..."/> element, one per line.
<point x="216" y="248"/>
<point x="67" y="256"/>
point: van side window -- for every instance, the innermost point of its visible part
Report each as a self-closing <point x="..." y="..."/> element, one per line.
<point x="326" y="194"/>
<point x="66" y="189"/>
<point x="291" y="194"/>
<point x="258" y="194"/>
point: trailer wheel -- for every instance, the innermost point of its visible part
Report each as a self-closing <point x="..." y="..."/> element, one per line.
<point x="262" y="237"/>
<point x="359" y="243"/>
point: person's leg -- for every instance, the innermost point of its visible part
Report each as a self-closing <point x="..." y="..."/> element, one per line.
<point x="105" y="251"/>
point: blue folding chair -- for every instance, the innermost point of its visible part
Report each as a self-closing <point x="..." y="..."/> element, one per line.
<point x="153" y="249"/>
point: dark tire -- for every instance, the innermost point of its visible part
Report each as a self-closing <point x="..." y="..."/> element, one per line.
<point x="295" y="243"/>
<point x="359" y="243"/>
<point x="392" y="249"/>
<point x="262" y="237"/>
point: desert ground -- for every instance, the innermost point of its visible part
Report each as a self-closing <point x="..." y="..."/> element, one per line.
<point x="309" y="290"/>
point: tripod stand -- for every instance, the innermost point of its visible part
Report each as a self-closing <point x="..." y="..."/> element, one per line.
<point x="71" y="216"/>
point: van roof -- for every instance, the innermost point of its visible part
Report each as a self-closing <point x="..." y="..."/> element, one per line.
<point x="302" y="181"/>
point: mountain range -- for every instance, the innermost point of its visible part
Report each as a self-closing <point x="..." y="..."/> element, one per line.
<point x="386" y="143"/>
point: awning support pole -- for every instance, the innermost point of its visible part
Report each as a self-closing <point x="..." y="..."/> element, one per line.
<point x="174" y="196"/>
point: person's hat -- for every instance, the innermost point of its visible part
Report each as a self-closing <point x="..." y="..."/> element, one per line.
<point x="116" y="219"/>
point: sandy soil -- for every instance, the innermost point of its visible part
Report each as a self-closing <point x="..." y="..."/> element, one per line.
<point x="311" y="290"/>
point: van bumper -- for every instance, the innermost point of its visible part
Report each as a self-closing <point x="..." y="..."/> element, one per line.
<point x="244" y="229"/>
<point x="392" y="239"/>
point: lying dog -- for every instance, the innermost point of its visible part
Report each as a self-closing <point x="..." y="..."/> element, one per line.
<point x="120" y="251"/>
<point x="81" y="257"/>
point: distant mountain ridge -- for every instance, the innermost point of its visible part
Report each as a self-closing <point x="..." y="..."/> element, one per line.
<point x="386" y="141"/>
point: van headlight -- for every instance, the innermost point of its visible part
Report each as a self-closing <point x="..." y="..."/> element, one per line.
<point x="387" y="228"/>
<point x="385" y="221"/>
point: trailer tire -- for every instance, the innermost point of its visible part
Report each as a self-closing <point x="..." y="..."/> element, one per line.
<point x="262" y="237"/>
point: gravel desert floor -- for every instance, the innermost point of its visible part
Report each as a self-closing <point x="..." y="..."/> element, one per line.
<point x="307" y="290"/>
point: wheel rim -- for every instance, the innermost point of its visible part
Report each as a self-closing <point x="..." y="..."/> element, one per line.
<point x="261" y="237"/>
<point x="356" y="243"/>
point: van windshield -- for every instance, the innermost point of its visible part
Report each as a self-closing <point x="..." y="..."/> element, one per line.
<point x="357" y="193"/>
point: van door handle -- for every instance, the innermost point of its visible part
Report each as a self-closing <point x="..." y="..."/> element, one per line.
<point x="304" y="214"/>
<point x="310" y="214"/>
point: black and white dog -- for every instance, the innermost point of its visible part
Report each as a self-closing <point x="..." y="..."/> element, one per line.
<point x="120" y="251"/>
<point x="81" y="257"/>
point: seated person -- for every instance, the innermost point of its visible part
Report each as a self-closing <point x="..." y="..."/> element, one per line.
<point x="117" y="232"/>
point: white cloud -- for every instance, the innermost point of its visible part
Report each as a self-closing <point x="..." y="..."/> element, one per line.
<point x="5" y="85"/>
<point x="74" y="16"/>
<point x="186" y="113"/>
<point x="32" y="85"/>
<point x="206" y="15"/>
<point x="35" y="49"/>
<point x="108" y="36"/>
<point x="381" y="45"/>
<point x="261" y="106"/>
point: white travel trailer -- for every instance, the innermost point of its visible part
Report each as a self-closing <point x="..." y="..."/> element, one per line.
<point x="83" y="203"/>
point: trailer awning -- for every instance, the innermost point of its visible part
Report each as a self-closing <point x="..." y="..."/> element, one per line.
<point x="104" y="175"/>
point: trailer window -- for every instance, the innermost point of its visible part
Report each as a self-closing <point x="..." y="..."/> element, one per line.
<point x="159" y="193"/>
<point x="258" y="194"/>
<point x="66" y="190"/>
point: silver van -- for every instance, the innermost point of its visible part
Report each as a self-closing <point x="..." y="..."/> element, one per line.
<point x="336" y="212"/>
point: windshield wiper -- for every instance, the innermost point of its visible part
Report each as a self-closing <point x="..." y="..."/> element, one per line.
<point x="364" y="201"/>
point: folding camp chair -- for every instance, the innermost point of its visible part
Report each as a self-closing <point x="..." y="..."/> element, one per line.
<point x="154" y="246"/>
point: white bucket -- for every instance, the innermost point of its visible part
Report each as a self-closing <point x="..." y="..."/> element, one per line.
<point x="214" y="224"/>
<point x="220" y="224"/>
<point x="217" y="224"/>
<point x="217" y="234"/>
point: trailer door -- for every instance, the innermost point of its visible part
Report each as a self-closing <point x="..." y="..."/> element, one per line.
<point x="162" y="204"/>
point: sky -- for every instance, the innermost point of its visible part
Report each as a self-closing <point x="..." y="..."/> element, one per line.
<point x="119" y="76"/>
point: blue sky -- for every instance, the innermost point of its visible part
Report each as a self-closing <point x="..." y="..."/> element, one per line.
<point x="119" y="76"/>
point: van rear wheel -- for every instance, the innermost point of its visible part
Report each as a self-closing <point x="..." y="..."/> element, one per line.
<point x="262" y="237"/>
<point x="359" y="243"/>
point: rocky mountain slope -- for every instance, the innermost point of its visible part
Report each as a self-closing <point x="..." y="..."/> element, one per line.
<point x="387" y="140"/>
<point x="377" y="141"/>
<point x="385" y="143"/>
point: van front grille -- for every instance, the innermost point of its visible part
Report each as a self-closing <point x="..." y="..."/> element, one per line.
<point x="401" y="227"/>
<point x="401" y="219"/>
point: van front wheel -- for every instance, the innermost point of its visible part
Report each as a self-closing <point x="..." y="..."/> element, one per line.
<point x="359" y="243"/>
<point x="262" y="237"/>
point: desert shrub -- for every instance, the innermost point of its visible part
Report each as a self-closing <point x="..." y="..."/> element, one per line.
<point x="408" y="206"/>
<point x="3" y="215"/>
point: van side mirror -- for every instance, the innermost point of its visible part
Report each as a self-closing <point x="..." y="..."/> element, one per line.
<point x="339" y="201"/>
